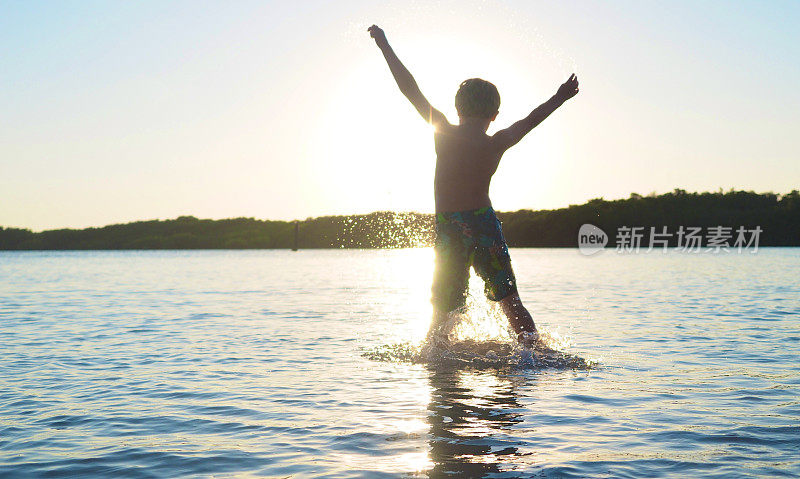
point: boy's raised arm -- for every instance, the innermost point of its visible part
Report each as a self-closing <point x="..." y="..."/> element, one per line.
<point x="513" y="134"/>
<point x="408" y="86"/>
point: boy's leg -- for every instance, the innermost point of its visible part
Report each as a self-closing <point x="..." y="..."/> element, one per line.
<point x="518" y="316"/>
<point x="450" y="276"/>
<point x="493" y="265"/>
<point x="448" y="290"/>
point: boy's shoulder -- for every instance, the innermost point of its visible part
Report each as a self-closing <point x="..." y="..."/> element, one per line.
<point x="452" y="134"/>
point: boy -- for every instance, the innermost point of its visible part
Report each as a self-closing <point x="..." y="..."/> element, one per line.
<point x="467" y="230"/>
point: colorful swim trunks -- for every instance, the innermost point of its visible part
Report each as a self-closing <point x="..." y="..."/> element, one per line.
<point x="470" y="238"/>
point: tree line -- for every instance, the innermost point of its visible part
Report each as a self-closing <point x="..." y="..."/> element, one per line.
<point x="776" y="216"/>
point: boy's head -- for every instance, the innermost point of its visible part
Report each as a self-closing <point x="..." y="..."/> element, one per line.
<point x="477" y="98"/>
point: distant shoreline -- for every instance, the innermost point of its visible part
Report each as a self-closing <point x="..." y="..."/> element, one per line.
<point x="776" y="215"/>
<point x="112" y="250"/>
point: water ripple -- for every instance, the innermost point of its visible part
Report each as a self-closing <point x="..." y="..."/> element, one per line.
<point x="269" y="363"/>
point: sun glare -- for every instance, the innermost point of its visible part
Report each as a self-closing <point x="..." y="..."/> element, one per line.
<point x="370" y="148"/>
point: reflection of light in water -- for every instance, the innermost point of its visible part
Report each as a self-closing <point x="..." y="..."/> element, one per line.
<point x="411" y="270"/>
<point x="415" y="461"/>
<point x="401" y="429"/>
<point x="410" y="461"/>
<point x="410" y="425"/>
<point x="470" y="412"/>
<point x="480" y="385"/>
<point x="415" y="392"/>
<point x="480" y="389"/>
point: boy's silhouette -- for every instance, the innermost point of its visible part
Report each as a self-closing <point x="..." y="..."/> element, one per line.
<point x="467" y="230"/>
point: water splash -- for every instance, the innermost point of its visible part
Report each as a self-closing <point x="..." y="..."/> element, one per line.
<point x="475" y="337"/>
<point x="480" y="355"/>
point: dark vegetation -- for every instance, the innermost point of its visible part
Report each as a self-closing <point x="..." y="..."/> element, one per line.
<point x="778" y="216"/>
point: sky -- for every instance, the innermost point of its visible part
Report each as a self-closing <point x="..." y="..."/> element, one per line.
<point x="115" y="111"/>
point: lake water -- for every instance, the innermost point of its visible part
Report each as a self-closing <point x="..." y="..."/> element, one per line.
<point x="259" y="363"/>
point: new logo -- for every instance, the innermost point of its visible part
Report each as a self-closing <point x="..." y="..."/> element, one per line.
<point x="591" y="239"/>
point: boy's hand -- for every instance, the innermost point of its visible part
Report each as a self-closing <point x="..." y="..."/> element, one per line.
<point x="376" y="33"/>
<point x="569" y="89"/>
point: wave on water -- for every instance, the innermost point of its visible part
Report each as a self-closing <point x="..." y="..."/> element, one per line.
<point x="478" y="341"/>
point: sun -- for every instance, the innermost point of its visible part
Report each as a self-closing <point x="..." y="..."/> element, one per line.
<point x="370" y="148"/>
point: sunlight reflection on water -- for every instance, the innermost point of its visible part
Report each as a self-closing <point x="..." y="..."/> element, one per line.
<point x="250" y="362"/>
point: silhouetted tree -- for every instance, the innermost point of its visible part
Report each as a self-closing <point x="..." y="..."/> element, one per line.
<point x="778" y="216"/>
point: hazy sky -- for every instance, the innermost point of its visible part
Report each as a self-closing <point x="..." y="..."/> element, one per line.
<point x="121" y="111"/>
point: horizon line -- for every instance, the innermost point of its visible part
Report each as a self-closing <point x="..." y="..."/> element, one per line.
<point x="633" y="195"/>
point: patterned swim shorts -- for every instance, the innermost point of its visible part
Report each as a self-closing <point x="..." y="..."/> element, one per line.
<point x="470" y="238"/>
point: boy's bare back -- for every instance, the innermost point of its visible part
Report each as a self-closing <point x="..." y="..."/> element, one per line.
<point x="466" y="159"/>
